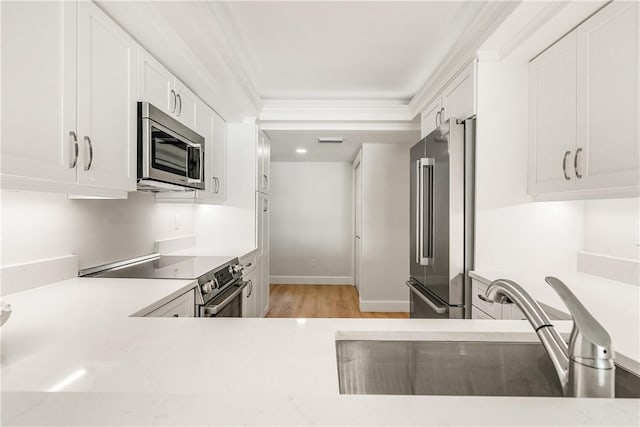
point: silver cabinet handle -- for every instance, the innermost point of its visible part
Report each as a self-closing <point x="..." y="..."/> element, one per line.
<point x="266" y="206"/>
<point x="250" y="288"/>
<point x="180" y="109"/>
<point x="441" y="114"/>
<point x="434" y="307"/>
<point x="575" y="163"/>
<point x="175" y="102"/>
<point x="564" y="165"/>
<point x="74" y="162"/>
<point x="437" y="115"/>
<point x="217" y="184"/>
<point x="90" y="146"/>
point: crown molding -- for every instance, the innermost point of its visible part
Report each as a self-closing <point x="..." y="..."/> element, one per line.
<point x="343" y="126"/>
<point x="334" y="111"/>
<point x="228" y="52"/>
<point x="464" y="51"/>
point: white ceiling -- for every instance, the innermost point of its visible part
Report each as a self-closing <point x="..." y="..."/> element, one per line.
<point x="342" y="50"/>
<point x="285" y="142"/>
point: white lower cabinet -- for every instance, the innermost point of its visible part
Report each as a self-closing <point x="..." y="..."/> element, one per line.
<point x="69" y="114"/>
<point x="476" y="313"/>
<point x="250" y="293"/>
<point x="183" y="306"/>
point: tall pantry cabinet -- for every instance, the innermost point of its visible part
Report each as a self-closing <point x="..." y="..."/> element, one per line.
<point x="263" y="187"/>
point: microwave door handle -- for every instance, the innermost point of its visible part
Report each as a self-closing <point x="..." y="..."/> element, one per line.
<point x="201" y="172"/>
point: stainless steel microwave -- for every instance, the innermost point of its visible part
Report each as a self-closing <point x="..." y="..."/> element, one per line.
<point x="170" y="155"/>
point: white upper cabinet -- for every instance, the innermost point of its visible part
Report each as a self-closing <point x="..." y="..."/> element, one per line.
<point x="159" y="87"/>
<point x="39" y="91"/>
<point x="430" y="117"/>
<point x="155" y="83"/>
<point x="608" y="111"/>
<point x="459" y="96"/>
<point x="264" y="163"/>
<point x="552" y="117"/>
<point x="186" y="105"/>
<point x="106" y="101"/>
<point x="214" y="130"/>
<point x="584" y="109"/>
<point x="457" y="99"/>
<point x="68" y="100"/>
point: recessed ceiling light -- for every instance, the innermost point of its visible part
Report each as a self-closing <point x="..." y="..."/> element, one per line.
<point x="301" y="150"/>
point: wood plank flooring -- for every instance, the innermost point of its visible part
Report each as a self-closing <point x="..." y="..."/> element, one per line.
<point x="333" y="301"/>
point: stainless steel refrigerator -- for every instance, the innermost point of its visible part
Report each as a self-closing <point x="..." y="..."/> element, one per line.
<point x="441" y="211"/>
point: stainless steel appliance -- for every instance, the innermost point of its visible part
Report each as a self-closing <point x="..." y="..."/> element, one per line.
<point x="219" y="279"/>
<point x="170" y="155"/>
<point x="441" y="227"/>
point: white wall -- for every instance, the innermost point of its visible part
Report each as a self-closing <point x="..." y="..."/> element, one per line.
<point x="385" y="227"/>
<point x="512" y="232"/>
<point x="42" y="225"/>
<point x="311" y="222"/>
<point x="612" y="228"/>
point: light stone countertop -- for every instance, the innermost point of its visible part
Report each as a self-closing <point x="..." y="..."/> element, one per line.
<point x="76" y="337"/>
<point x="614" y="304"/>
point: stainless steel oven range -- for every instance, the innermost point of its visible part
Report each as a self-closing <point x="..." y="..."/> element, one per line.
<point x="219" y="278"/>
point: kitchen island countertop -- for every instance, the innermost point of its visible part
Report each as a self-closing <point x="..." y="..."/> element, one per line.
<point x="77" y="338"/>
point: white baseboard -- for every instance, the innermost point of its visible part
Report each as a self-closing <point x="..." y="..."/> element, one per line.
<point x="311" y="280"/>
<point x="385" y="306"/>
<point x="29" y="275"/>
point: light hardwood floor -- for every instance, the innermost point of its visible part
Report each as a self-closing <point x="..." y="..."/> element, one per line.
<point x="307" y="301"/>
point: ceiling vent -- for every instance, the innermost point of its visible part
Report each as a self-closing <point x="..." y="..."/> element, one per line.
<point x="330" y="140"/>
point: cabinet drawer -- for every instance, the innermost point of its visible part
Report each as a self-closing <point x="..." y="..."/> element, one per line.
<point x="249" y="263"/>
<point x="492" y="309"/>
<point x="476" y="313"/>
<point x="183" y="306"/>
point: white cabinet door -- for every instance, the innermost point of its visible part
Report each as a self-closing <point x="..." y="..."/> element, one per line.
<point x="214" y="129"/>
<point x="186" y="105"/>
<point x="250" y="295"/>
<point x="39" y="90"/>
<point x="106" y="101"/>
<point x="183" y="306"/>
<point x="155" y="83"/>
<point x="263" y="252"/>
<point x="264" y="163"/>
<point x="552" y="117"/>
<point x="459" y="96"/>
<point x="609" y="98"/>
<point x="430" y="118"/>
<point x="219" y="156"/>
<point x="266" y="283"/>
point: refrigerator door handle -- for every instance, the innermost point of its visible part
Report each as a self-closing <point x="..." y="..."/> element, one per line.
<point x="422" y="258"/>
<point x="438" y="309"/>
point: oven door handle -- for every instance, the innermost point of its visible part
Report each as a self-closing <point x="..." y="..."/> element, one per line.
<point x="215" y="309"/>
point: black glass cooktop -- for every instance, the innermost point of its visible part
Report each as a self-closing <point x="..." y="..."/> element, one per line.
<point x="168" y="267"/>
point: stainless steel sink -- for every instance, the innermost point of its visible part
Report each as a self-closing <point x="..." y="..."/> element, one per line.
<point x="468" y="368"/>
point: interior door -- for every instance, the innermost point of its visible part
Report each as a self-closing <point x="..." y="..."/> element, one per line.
<point x="358" y="224"/>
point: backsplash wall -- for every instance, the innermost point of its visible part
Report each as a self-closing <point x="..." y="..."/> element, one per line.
<point x="42" y="225"/>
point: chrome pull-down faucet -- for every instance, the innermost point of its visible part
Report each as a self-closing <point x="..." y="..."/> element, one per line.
<point x="585" y="366"/>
